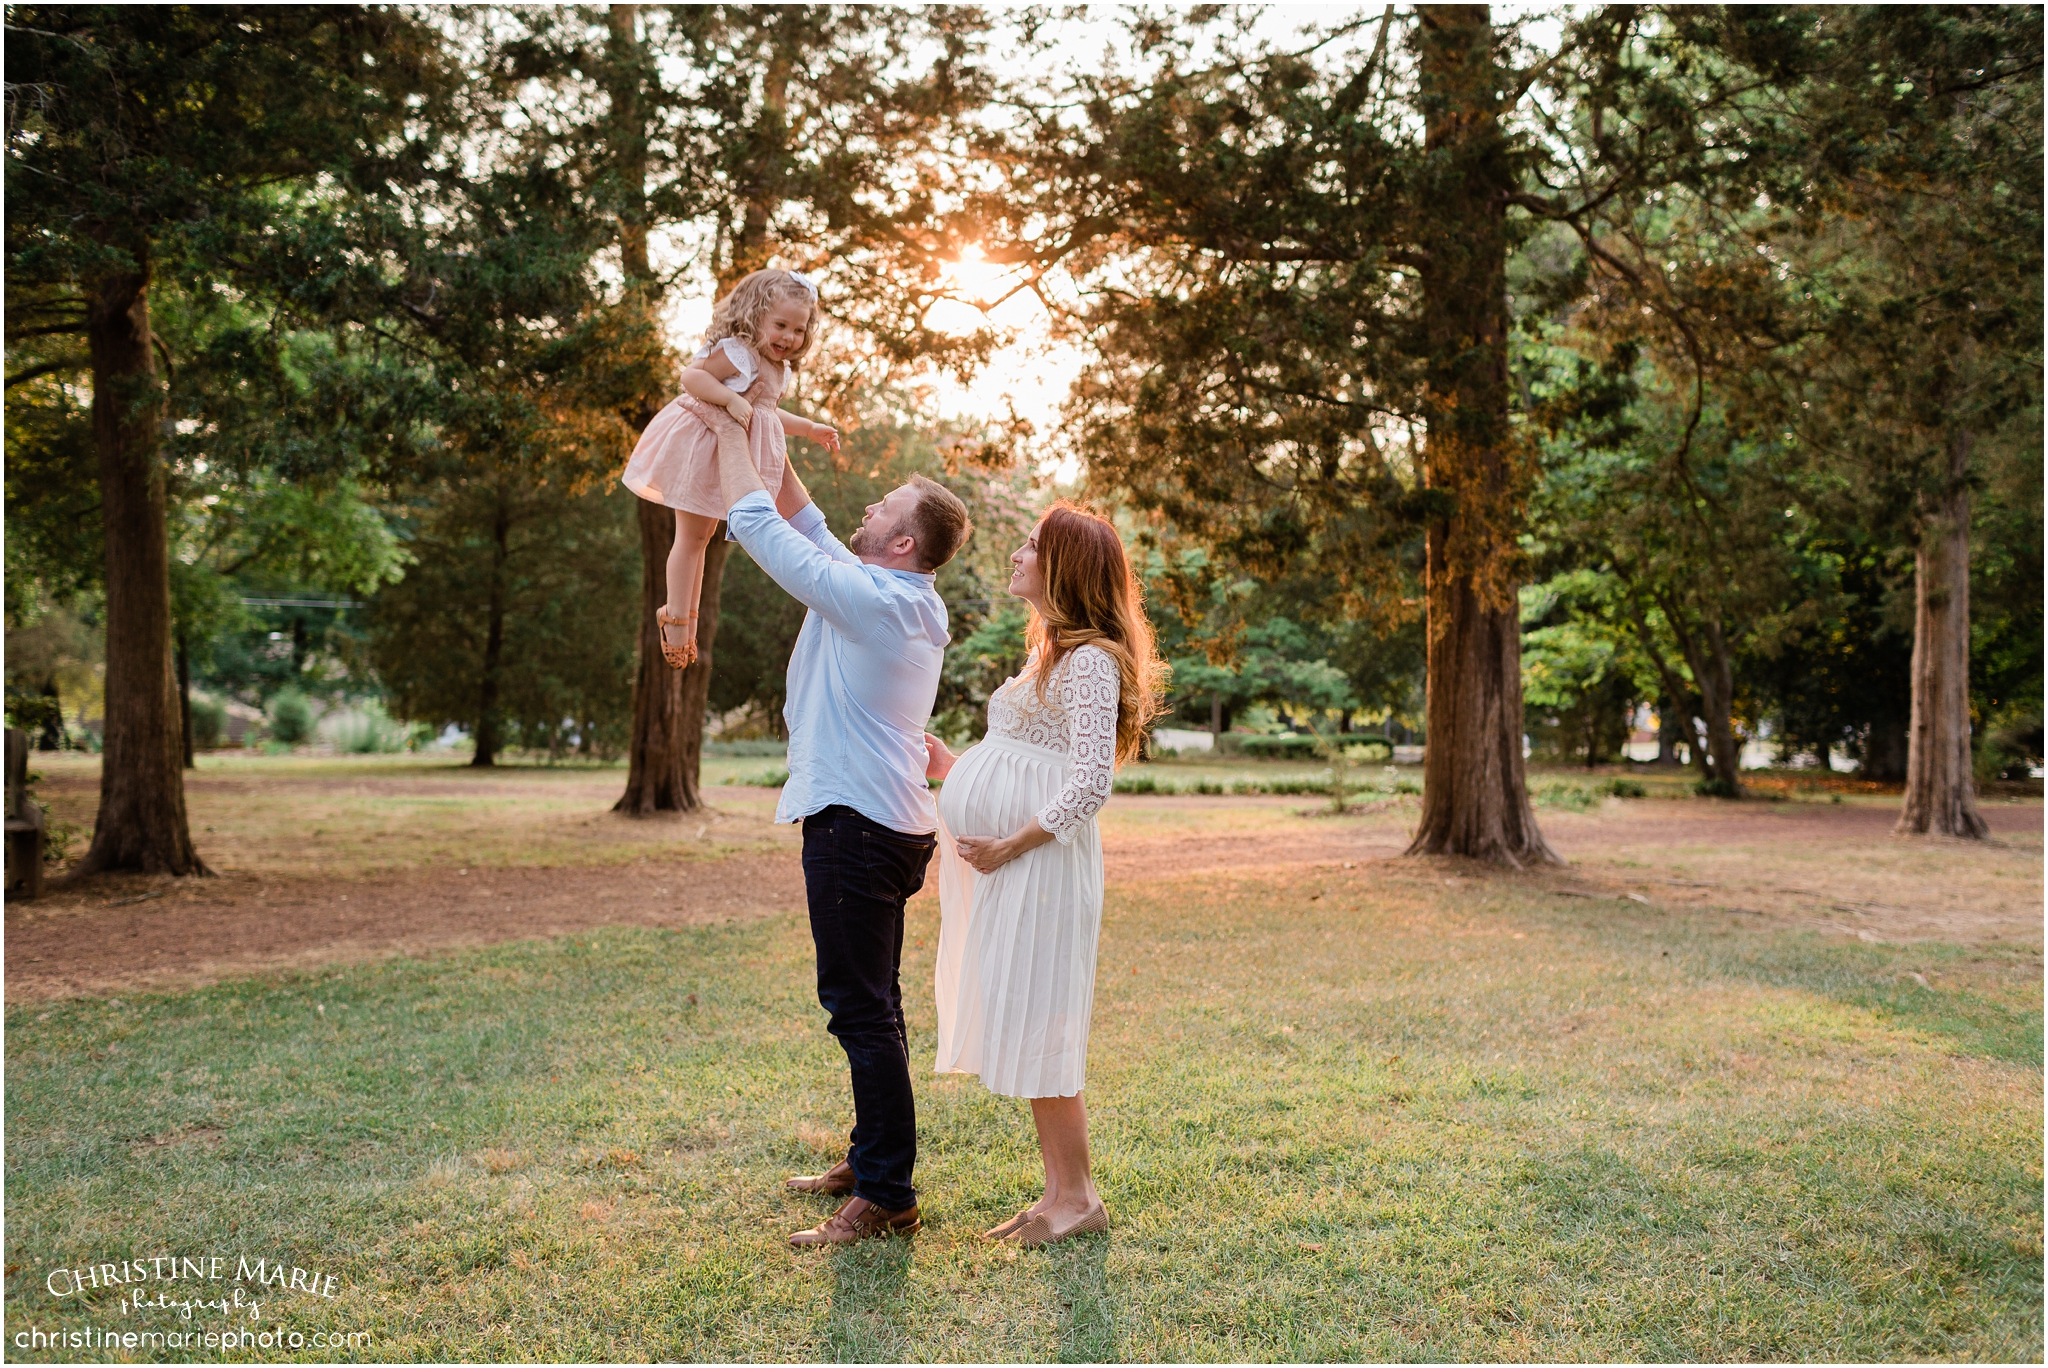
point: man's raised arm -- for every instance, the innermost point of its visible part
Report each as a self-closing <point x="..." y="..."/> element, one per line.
<point x="840" y="591"/>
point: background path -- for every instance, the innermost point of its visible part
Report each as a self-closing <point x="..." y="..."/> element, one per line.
<point x="1832" y="867"/>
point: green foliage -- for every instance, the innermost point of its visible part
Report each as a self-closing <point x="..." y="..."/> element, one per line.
<point x="773" y="777"/>
<point x="516" y="613"/>
<point x="1282" y="747"/>
<point x="365" y="729"/>
<point x="209" y="721"/>
<point x="291" y="718"/>
<point x="1583" y="670"/>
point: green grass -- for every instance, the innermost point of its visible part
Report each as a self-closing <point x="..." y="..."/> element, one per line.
<point x="1332" y="1118"/>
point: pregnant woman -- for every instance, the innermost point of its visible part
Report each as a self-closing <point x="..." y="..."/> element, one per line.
<point x="1020" y="864"/>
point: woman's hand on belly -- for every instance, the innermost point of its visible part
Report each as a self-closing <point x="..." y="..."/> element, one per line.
<point x="989" y="853"/>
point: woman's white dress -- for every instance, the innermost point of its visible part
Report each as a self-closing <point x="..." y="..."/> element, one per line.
<point x="1016" y="970"/>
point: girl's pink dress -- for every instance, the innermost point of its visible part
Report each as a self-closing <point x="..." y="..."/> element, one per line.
<point x="676" y="461"/>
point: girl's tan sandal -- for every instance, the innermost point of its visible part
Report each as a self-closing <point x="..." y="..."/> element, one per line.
<point x="1038" y="1230"/>
<point x="679" y="657"/>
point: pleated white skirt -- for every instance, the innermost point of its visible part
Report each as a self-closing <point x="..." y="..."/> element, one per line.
<point x="1016" y="971"/>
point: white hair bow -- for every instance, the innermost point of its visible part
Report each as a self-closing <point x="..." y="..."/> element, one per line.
<point x="800" y="278"/>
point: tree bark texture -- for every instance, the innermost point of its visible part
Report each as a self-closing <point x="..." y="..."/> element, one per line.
<point x="1475" y="799"/>
<point x="1670" y="731"/>
<point x="488" y="739"/>
<point x="1714" y="673"/>
<point x="1941" y="790"/>
<point x="141" y="823"/>
<point x="664" y="756"/>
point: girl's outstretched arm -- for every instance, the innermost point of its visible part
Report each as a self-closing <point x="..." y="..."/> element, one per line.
<point x="796" y="425"/>
<point x="706" y="379"/>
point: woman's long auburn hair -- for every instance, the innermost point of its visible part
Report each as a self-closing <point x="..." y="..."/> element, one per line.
<point x="1093" y="599"/>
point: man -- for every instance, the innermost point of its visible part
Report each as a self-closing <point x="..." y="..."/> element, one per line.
<point x="862" y="681"/>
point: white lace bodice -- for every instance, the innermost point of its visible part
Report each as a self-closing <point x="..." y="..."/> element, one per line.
<point x="1078" y="717"/>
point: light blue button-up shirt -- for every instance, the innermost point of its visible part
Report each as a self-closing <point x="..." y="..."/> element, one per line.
<point x="863" y="676"/>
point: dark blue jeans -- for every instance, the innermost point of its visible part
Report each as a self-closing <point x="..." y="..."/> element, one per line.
<point x="857" y="875"/>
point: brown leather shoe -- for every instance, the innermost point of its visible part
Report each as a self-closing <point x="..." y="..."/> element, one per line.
<point x="859" y="1219"/>
<point x="832" y="1182"/>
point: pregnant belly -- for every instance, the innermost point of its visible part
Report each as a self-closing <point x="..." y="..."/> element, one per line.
<point x="954" y="809"/>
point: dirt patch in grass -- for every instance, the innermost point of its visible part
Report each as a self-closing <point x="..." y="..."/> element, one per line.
<point x="94" y="940"/>
<point x="492" y="858"/>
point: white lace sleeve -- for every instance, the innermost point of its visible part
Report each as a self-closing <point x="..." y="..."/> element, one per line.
<point x="1088" y="686"/>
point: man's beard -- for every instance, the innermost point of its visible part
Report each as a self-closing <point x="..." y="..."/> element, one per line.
<point x="869" y="539"/>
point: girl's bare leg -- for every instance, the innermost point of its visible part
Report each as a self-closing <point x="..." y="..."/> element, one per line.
<point x="685" y="581"/>
<point x="1063" y="1141"/>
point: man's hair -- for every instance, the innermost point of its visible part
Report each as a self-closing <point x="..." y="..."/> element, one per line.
<point x="938" y="523"/>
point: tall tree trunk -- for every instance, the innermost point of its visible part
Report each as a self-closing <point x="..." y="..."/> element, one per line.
<point x="1714" y="672"/>
<point x="1475" y="795"/>
<point x="665" y="749"/>
<point x="1941" y="791"/>
<point x="1669" y="731"/>
<point x="141" y="823"/>
<point x="185" y="697"/>
<point x="663" y="759"/>
<point x="487" y="738"/>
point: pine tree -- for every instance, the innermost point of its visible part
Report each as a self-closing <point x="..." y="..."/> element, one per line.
<point x="143" y="140"/>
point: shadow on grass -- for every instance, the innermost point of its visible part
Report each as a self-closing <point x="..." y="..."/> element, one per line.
<point x="867" y="1323"/>
<point x="1080" y="1282"/>
<point x="1881" y="980"/>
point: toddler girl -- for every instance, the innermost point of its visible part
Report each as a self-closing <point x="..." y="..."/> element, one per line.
<point x="730" y="389"/>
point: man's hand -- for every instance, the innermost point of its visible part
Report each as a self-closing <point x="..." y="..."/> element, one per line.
<point x="938" y="761"/>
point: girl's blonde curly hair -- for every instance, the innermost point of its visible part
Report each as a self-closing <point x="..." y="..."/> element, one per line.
<point x="740" y="313"/>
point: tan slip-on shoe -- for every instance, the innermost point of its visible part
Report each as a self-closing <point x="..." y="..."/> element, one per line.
<point x="833" y="1182"/>
<point x="1039" y="1231"/>
<point x="858" y="1220"/>
<point x="1002" y="1231"/>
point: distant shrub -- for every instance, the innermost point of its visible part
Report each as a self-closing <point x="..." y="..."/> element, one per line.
<point x="767" y="778"/>
<point x="1277" y="747"/>
<point x="1715" y="788"/>
<point x="291" y="717"/>
<point x="1626" y="788"/>
<point x="209" y="720"/>
<point x="1569" y="796"/>
<point x="747" y="749"/>
<point x="34" y="713"/>
<point x="1138" y="783"/>
<point x="367" y="730"/>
